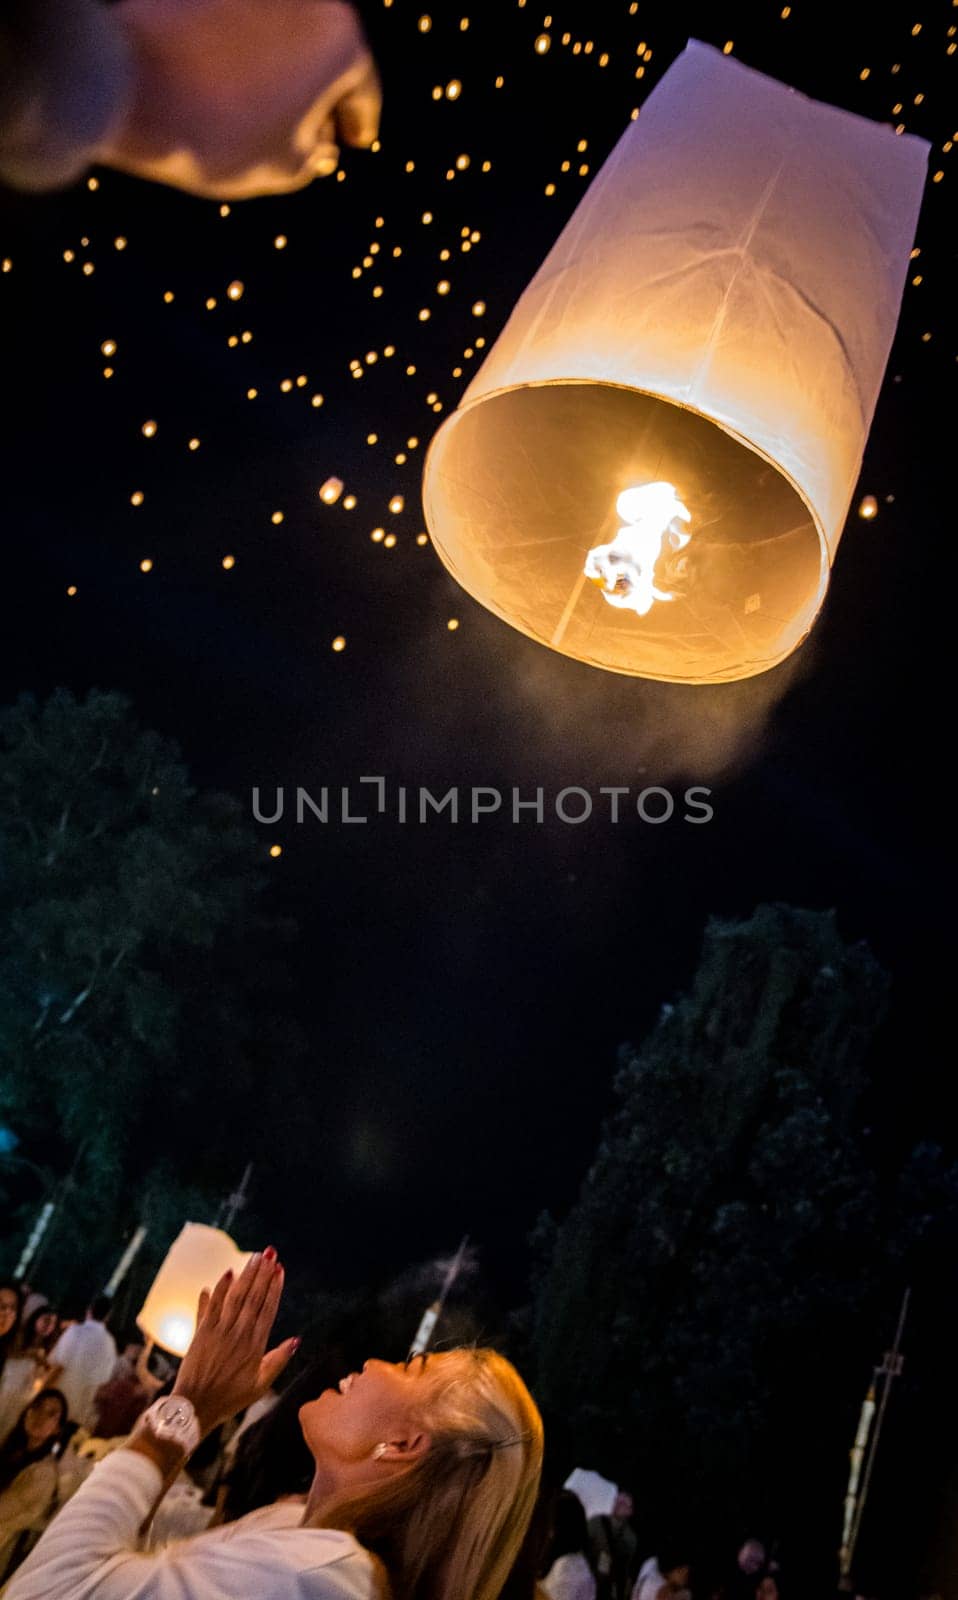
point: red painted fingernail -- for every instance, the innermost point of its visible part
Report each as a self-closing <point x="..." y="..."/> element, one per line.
<point x="295" y="1343"/>
<point x="269" y="1254"/>
<point x="228" y="1274"/>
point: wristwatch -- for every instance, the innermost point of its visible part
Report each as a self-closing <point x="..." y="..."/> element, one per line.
<point x="173" y="1419"/>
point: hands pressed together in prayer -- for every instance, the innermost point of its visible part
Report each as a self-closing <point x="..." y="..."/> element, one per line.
<point x="228" y="1365"/>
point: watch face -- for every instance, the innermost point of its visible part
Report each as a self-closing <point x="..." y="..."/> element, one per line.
<point x="175" y="1416"/>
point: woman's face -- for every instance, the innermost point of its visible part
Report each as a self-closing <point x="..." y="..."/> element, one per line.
<point x="42" y="1420"/>
<point x="379" y="1405"/>
<point x="9" y="1310"/>
<point x="46" y="1324"/>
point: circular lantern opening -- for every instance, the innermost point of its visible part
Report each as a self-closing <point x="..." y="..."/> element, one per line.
<point x="521" y="485"/>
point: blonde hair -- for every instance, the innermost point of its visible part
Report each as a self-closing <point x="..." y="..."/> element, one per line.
<point x="450" y="1526"/>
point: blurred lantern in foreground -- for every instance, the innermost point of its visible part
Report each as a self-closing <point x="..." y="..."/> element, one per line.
<point x="699" y="358"/>
<point x="196" y="1261"/>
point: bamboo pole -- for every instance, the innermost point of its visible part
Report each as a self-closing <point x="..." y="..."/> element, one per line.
<point x="889" y="1370"/>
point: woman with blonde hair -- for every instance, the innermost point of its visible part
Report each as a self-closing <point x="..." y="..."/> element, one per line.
<point x="426" y="1476"/>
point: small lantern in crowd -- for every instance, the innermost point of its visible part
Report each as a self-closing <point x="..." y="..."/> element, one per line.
<point x="195" y="1261"/>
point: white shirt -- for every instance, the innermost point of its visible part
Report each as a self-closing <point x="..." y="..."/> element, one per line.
<point x="569" y="1578"/>
<point x="91" y="1551"/>
<point x="87" y="1354"/>
<point x="16" y="1390"/>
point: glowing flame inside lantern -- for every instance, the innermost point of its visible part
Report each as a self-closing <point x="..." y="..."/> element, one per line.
<point x="176" y="1333"/>
<point x="625" y="568"/>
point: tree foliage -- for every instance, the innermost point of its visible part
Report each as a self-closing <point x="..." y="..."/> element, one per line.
<point x="704" y="1317"/>
<point x="130" y="949"/>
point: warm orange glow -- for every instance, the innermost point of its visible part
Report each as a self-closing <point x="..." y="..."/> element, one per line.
<point x="636" y="359"/>
<point x="198" y="1258"/>
<point x="626" y="569"/>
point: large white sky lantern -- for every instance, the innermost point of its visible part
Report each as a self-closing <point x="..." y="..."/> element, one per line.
<point x="652" y="469"/>
<point x="195" y="1261"/>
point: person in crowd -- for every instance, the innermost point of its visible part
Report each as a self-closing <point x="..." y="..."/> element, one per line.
<point x="17" y="1371"/>
<point x="223" y="98"/>
<point x="664" y="1576"/>
<point x="30" y="1475"/>
<point x="271" y="1460"/>
<point x="750" y="1565"/>
<point x="615" y="1549"/>
<point x="33" y="1299"/>
<point x="41" y="1330"/>
<point x="11" y="1306"/>
<point x="124" y="1397"/>
<point x="425" y="1478"/>
<point x="82" y="1360"/>
<point x="41" y="1425"/>
<point x="233" y="1437"/>
<point x="569" y="1575"/>
<point x="769" y="1587"/>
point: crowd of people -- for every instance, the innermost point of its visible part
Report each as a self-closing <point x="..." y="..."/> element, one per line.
<point x="65" y="1390"/>
<point x="434" y="1486"/>
<point x="219" y="1480"/>
<point x="601" y="1558"/>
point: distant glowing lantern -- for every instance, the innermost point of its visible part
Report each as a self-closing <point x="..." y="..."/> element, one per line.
<point x="195" y="1261"/>
<point x="331" y="491"/>
<point x="698" y="359"/>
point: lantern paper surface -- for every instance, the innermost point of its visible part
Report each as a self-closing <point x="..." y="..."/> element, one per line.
<point x="195" y="1261"/>
<point x="596" y="1493"/>
<point x="711" y="329"/>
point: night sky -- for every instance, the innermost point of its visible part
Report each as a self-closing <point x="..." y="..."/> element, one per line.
<point x="464" y="988"/>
